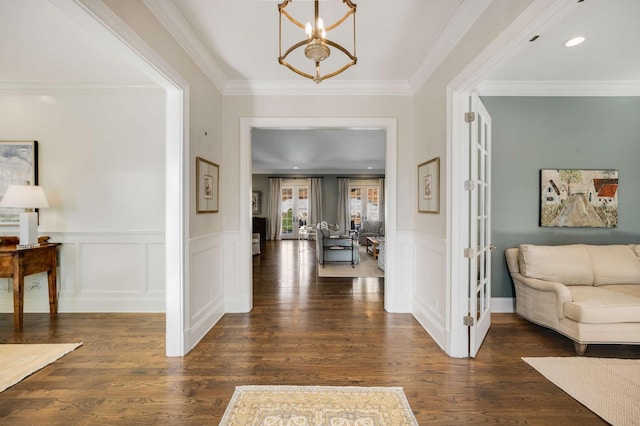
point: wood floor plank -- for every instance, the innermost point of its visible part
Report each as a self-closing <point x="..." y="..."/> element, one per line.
<point x="303" y="330"/>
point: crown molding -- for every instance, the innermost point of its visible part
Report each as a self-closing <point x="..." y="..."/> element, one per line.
<point x="172" y="19"/>
<point x="466" y="15"/>
<point x="42" y="87"/>
<point x="326" y="88"/>
<point x="559" y="88"/>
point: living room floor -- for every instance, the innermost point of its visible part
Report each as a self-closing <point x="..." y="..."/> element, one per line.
<point x="303" y="330"/>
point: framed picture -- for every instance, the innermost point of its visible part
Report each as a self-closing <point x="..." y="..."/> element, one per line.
<point x="18" y="166"/>
<point x="256" y="202"/>
<point x="579" y="198"/>
<point x="207" y="186"/>
<point x="429" y="186"/>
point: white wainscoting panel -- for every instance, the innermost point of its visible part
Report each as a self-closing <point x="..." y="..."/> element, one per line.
<point x="206" y="286"/>
<point x="100" y="272"/>
<point x="429" y="300"/>
<point x="405" y="262"/>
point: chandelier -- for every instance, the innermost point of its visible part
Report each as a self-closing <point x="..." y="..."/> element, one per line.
<point x="316" y="44"/>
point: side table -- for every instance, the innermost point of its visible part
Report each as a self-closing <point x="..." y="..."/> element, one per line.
<point x="17" y="263"/>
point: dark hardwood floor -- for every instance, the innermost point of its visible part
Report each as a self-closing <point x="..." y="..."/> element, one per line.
<point x="303" y="330"/>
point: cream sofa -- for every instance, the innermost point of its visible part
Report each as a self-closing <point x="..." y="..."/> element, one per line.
<point x="589" y="293"/>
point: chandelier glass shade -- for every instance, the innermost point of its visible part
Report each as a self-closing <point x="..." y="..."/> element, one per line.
<point x="317" y="47"/>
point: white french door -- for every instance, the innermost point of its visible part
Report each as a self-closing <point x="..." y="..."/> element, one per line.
<point x="364" y="204"/>
<point x="479" y="251"/>
<point x="294" y="205"/>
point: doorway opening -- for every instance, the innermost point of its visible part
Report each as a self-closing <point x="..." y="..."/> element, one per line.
<point x="393" y="292"/>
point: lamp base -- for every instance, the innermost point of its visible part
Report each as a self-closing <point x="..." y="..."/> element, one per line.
<point x="28" y="230"/>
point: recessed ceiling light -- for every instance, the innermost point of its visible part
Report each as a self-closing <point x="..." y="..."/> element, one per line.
<point x="369" y="167"/>
<point x="574" y="41"/>
<point x="295" y="167"/>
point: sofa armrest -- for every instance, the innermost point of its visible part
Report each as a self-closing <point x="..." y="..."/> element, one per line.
<point x="562" y="293"/>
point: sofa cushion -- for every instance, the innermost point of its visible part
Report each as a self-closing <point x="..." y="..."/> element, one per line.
<point x="601" y="305"/>
<point x="570" y="264"/>
<point x="614" y="264"/>
<point x="636" y="249"/>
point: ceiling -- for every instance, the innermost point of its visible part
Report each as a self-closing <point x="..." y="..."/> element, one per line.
<point x="399" y="44"/>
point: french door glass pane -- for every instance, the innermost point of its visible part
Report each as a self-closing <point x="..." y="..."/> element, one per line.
<point x="356" y="208"/>
<point x="372" y="204"/>
<point x="287" y="211"/>
<point x="303" y="206"/>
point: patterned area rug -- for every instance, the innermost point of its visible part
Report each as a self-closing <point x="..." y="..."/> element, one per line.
<point x="318" y="405"/>
<point x="21" y="360"/>
<point x="609" y="387"/>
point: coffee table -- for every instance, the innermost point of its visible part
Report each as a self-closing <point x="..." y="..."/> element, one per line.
<point x="372" y="246"/>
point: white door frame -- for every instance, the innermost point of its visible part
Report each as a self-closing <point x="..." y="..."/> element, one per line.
<point x="539" y="14"/>
<point x="100" y="20"/>
<point x="396" y="297"/>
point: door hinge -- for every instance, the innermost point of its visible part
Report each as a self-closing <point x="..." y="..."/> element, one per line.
<point x="469" y="185"/>
<point x="468" y="321"/>
<point x="469" y="253"/>
<point x="469" y="117"/>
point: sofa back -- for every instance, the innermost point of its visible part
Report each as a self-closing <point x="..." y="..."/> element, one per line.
<point x="581" y="264"/>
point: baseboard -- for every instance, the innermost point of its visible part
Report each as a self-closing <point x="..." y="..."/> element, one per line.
<point x="503" y="305"/>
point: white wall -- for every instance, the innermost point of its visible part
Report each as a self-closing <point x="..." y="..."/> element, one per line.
<point x="101" y="163"/>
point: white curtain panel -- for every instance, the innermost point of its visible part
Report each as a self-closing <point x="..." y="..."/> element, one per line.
<point x="315" y="203"/>
<point x="273" y="213"/>
<point x="344" y="215"/>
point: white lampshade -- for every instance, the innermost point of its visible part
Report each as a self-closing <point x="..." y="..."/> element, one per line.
<point x="24" y="197"/>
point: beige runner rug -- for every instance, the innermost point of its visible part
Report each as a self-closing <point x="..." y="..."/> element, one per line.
<point x="18" y="361"/>
<point x="609" y="387"/>
<point x="318" y="405"/>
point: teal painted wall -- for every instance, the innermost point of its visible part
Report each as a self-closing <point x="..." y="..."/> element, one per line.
<point x="533" y="133"/>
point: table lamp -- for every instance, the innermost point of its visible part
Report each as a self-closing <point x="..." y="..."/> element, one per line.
<point x="26" y="197"/>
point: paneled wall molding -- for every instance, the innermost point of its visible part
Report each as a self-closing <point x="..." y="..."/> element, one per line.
<point x="100" y="271"/>
<point x="405" y="260"/>
<point x="206" y="293"/>
<point x="429" y="296"/>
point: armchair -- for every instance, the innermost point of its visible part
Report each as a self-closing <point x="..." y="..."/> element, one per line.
<point x="370" y="228"/>
<point x="255" y="243"/>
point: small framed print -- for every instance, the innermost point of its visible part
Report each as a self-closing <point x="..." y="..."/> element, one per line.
<point x="429" y="186"/>
<point x="207" y="186"/>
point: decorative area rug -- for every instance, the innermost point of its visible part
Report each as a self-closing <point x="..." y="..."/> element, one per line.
<point x="368" y="267"/>
<point x="318" y="405"/>
<point x="609" y="387"/>
<point x="21" y="360"/>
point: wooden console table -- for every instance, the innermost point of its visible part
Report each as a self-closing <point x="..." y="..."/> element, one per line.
<point x="17" y="263"/>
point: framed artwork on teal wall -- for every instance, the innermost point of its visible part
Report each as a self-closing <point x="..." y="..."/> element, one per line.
<point x="579" y="198"/>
